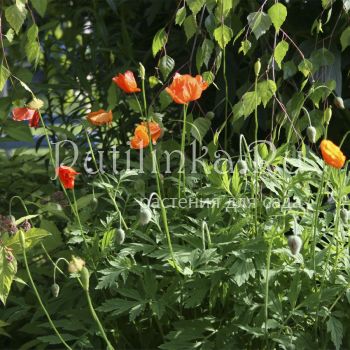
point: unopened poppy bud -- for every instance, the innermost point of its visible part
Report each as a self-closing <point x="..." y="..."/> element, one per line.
<point x="210" y="115"/>
<point x="36" y="103"/>
<point x="85" y="277"/>
<point x="344" y="214"/>
<point x="294" y="244"/>
<point x="142" y="71"/>
<point x="22" y="238"/>
<point x="145" y="216"/>
<point x="328" y="114"/>
<point x="55" y="290"/>
<point x="26" y="226"/>
<point x="94" y="203"/>
<point x="311" y="134"/>
<point x="257" y="67"/>
<point x="242" y="166"/>
<point x="119" y="235"/>
<point x="338" y="102"/>
<point x="76" y="265"/>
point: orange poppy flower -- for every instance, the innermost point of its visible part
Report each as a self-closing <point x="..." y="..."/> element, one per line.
<point x="25" y="113"/>
<point x="67" y="176"/>
<point x="141" y="138"/>
<point x="186" y="88"/>
<point x="100" y="117"/>
<point x="154" y="129"/>
<point x="126" y="82"/>
<point x="332" y="154"/>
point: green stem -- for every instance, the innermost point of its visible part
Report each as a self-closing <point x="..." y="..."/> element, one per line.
<point x="268" y="263"/>
<point x="226" y="99"/>
<point x="182" y="175"/>
<point x="39" y="299"/>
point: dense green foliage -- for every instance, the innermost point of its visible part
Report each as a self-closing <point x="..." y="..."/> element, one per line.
<point x="214" y="272"/>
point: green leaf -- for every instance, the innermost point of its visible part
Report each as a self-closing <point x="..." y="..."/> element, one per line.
<point x="18" y="131"/>
<point x="259" y="23"/>
<point x="159" y="41"/>
<point x="245" y="46"/>
<point x="335" y="327"/>
<point x="112" y="96"/>
<point x="40" y="6"/>
<point x="289" y="69"/>
<point x="278" y="14"/>
<point x="166" y="65"/>
<point x="15" y="15"/>
<point x="4" y="75"/>
<point x="223" y="8"/>
<point x="242" y="270"/>
<point x="190" y="26"/>
<point x="8" y="271"/>
<point x="208" y="77"/>
<point x="266" y="89"/>
<point x="250" y="100"/>
<point x="207" y="50"/>
<point x="32" y="47"/>
<point x="180" y="16"/>
<point x="223" y="35"/>
<point x="305" y="67"/>
<point x="280" y="52"/>
<point x="195" y="5"/>
<point x="327" y="3"/>
<point x="345" y="38"/>
<point x="199" y="128"/>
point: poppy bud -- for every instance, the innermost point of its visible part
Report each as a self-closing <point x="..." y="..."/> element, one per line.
<point x="242" y="166"/>
<point x="94" y="203"/>
<point x="76" y="265"/>
<point x="210" y="115"/>
<point x="338" y="102"/>
<point x="85" y="277"/>
<point x="119" y="235"/>
<point x="263" y="151"/>
<point x="257" y="67"/>
<point x="294" y="244"/>
<point x="142" y="71"/>
<point x="36" y="103"/>
<point x="344" y="214"/>
<point x="145" y="216"/>
<point x="328" y="114"/>
<point x="22" y="238"/>
<point x="26" y="226"/>
<point x="311" y="134"/>
<point x="55" y="290"/>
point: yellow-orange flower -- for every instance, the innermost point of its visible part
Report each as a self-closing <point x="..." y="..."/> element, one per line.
<point x="332" y="154"/>
<point x="142" y="132"/>
<point x="186" y="88"/>
<point x="100" y="117"/>
<point x="126" y="82"/>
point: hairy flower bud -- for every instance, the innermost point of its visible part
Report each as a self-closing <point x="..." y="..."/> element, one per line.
<point x="242" y="166"/>
<point x="85" y="277"/>
<point x="76" y="265"/>
<point x="328" y="114"/>
<point x="294" y="243"/>
<point x="145" y="216"/>
<point x="142" y="71"/>
<point x="257" y="67"/>
<point x="338" y="102"/>
<point x="344" y="215"/>
<point x="55" y="290"/>
<point x="36" y="103"/>
<point x="26" y="226"/>
<point x="311" y="134"/>
<point x="119" y="235"/>
<point x="210" y="115"/>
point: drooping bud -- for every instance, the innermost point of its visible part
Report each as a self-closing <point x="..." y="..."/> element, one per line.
<point x="210" y="115"/>
<point x="344" y="215"/>
<point x="257" y="67"/>
<point x="338" y="102"/>
<point x="142" y="71"/>
<point x="26" y="226"/>
<point x="311" y="134"/>
<point x="76" y="265"/>
<point x="242" y="167"/>
<point x="55" y="290"/>
<point x="36" y="103"/>
<point x="294" y="244"/>
<point x="94" y="203"/>
<point x="328" y="114"/>
<point x="85" y="277"/>
<point x="22" y="238"/>
<point x="145" y="216"/>
<point x="119" y="235"/>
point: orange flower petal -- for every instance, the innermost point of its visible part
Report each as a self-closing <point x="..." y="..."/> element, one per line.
<point x="126" y="82"/>
<point x="332" y="154"/>
<point x="100" y="117"/>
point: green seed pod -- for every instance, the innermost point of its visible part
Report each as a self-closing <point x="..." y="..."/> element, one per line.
<point x="242" y="166"/>
<point x="210" y="115"/>
<point x="85" y="277"/>
<point x="294" y="244"/>
<point x="145" y="216"/>
<point x="55" y="290"/>
<point x="338" y="102"/>
<point x="311" y="134"/>
<point x="344" y="215"/>
<point x="22" y="238"/>
<point x="257" y="67"/>
<point x="328" y="114"/>
<point x="119" y="235"/>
